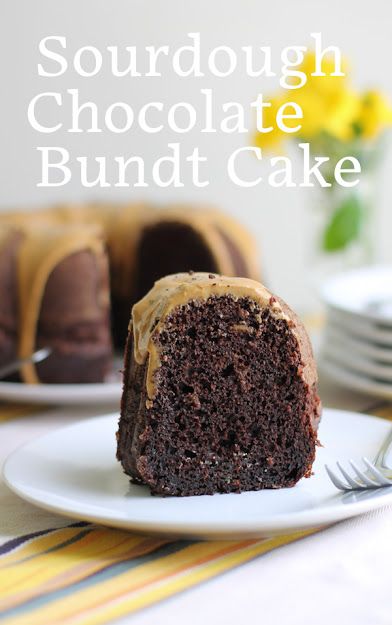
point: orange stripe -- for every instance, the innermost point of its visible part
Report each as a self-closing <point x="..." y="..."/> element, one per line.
<point x="80" y="572"/>
<point x="13" y="411"/>
<point x="132" y="588"/>
<point x="83" y="568"/>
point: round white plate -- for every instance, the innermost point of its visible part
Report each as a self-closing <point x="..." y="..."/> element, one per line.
<point x="353" y="380"/>
<point x="365" y="292"/>
<point x="65" y="394"/>
<point x="357" y="363"/>
<point x="73" y="471"/>
<point x="106" y="393"/>
<point x="356" y="346"/>
<point x="360" y="328"/>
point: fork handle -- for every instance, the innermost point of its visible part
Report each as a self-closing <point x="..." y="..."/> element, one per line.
<point x="12" y="367"/>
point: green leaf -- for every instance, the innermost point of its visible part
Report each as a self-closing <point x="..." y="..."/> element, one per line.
<point x="344" y="226"/>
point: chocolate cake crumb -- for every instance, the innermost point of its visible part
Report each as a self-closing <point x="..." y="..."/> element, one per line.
<point x="232" y="410"/>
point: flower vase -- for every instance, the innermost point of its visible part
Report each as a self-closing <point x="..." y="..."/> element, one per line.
<point x="344" y="222"/>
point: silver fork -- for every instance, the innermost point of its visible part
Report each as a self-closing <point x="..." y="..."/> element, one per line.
<point x="376" y="475"/>
<point x="14" y="366"/>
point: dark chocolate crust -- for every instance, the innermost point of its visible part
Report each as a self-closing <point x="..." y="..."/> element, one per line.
<point x="74" y="321"/>
<point x="236" y="405"/>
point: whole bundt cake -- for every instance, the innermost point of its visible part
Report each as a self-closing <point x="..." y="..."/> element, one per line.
<point x="219" y="389"/>
<point x="54" y="264"/>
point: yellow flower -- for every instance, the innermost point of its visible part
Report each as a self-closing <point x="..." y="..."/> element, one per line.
<point x="325" y="102"/>
<point x="271" y="140"/>
<point x="332" y="112"/>
<point x="322" y="85"/>
<point x="329" y="105"/>
<point x="375" y="115"/>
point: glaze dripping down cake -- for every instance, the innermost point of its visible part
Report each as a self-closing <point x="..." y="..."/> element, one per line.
<point x="63" y="303"/>
<point x="9" y="243"/>
<point x="219" y="389"/>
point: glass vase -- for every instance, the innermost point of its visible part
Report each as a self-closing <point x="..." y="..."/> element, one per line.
<point x="342" y="221"/>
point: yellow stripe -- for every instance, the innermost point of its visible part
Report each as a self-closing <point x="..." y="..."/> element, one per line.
<point x="70" y="564"/>
<point x="13" y="411"/>
<point x="151" y="582"/>
<point x="188" y="579"/>
<point x="38" y="545"/>
<point x="383" y="411"/>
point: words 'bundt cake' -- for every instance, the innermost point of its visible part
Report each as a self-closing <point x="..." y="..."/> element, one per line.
<point x="219" y="389"/>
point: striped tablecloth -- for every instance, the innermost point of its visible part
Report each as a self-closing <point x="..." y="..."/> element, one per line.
<point x="53" y="571"/>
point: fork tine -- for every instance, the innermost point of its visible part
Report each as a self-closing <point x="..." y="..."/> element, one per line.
<point x="335" y="480"/>
<point x="362" y="476"/>
<point x="353" y="483"/>
<point x="382" y="480"/>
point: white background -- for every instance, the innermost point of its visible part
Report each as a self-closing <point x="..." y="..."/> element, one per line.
<point x="278" y="217"/>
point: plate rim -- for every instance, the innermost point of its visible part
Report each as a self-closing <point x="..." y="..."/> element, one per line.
<point x="360" y="329"/>
<point x="365" y="348"/>
<point x="350" y="312"/>
<point x="353" y="380"/>
<point x="358" y="364"/>
<point x="61" y="394"/>
<point x="290" y="523"/>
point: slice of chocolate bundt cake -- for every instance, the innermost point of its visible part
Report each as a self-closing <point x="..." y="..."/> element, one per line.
<point x="219" y="389"/>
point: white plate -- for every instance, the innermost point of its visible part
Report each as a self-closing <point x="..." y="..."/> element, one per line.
<point x="360" y="328"/>
<point x="66" y="394"/>
<point x="73" y="471"/>
<point x="357" y="363"/>
<point x="365" y="292"/>
<point x="106" y="393"/>
<point x="357" y="346"/>
<point x="354" y="381"/>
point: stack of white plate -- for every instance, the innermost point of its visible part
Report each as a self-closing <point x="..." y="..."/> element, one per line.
<point x="357" y="349"/>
